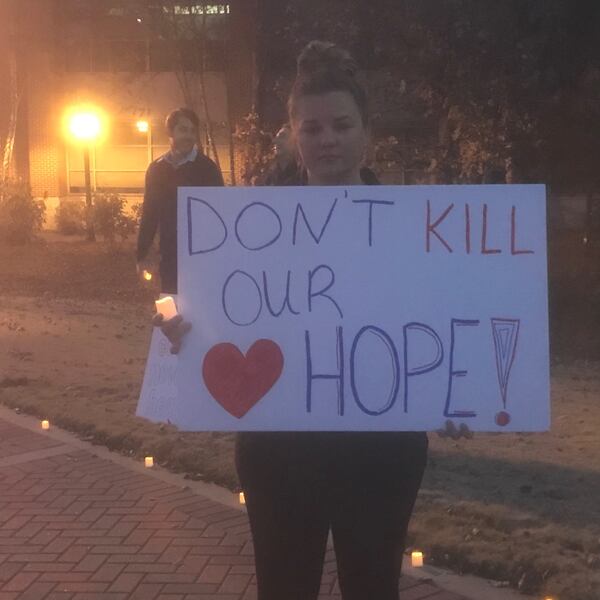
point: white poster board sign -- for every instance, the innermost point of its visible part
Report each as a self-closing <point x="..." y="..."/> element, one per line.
<point x="158" y="397"/>
<point x="362" y="308"/>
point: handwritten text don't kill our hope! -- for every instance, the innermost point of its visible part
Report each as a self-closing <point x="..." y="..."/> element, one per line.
<point x="448" y="228"/>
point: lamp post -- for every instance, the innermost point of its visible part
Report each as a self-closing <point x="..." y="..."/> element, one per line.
<point x="91" y="235"/>
<point x="85" y="127"/>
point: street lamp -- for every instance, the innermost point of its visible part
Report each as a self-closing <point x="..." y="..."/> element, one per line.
<point x="85" y="126"/>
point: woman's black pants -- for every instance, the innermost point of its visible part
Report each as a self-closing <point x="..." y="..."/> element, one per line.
<point x="298" y="485"/>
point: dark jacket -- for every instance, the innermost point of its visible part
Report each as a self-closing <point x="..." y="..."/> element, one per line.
<point x="159" y="210"/>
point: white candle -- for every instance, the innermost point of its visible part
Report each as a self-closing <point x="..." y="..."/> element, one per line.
<point x="149" y="461"/>
<point x="166" y="307"/>
<point x="242" y="498"/>
<point x="417" y="559"/>
<point x="45" y="425"/>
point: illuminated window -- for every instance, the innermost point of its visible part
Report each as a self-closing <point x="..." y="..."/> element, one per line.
<point x="118" y="165"/>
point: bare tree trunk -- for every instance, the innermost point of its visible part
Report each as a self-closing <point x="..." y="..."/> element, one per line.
<point x="259" y="72"/>
<point x="14" y="97"/>
<point x="89" y="207"/>
<point x="185" y="86"/>
<point x="589" y="210"/>
<point x="231" y="154"/>
<point x="184" y="78"/>
<point x="201" y="64"/>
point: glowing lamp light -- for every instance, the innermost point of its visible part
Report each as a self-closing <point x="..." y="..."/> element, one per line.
<point x="85" y="123"/>
<point x="417" y="559"/>
<point x="166" y="307"/>
<point x="242" y="498"/>
<point x="142" y="126"/>
<point x="45" y="425"/>
<point x="85" y="126"/>
<point x="149" y="461"/>
<point x="147" y="275"/>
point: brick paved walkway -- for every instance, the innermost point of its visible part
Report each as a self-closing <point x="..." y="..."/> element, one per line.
<point x="75" y="526"/>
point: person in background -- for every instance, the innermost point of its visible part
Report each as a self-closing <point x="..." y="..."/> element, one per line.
<point x="284" y="170"/>
<point x="183" y="165"/>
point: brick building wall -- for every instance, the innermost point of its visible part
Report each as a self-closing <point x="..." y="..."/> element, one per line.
<point x="46" y="159"/>
<point x="50" y="89"/>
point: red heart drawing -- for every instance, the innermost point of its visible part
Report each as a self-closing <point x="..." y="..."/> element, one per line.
<point x="238" y="382"/>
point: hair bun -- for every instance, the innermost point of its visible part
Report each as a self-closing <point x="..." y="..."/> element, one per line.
<point x="325" y="56"/>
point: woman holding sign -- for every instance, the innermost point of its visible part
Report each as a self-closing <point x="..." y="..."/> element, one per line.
<point x="298" y="486"/>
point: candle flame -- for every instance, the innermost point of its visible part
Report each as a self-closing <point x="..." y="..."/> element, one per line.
<point x="417" y="559"/>
<point x="166" y="307"/>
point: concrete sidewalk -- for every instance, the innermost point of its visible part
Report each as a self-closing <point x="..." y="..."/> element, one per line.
<point x="78" y="522"/>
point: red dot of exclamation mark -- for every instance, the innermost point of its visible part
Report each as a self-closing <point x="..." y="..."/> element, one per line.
<point x="502" y="418"/>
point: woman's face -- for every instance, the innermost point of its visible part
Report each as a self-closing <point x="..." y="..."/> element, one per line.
<point x="330" y="137"/>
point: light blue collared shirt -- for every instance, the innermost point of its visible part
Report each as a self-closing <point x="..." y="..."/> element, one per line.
<point x="189" y="157"/>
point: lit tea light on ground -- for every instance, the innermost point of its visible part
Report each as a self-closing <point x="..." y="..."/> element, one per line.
<point x="149" y="461"/>
<point x="417" y="559"/>
<point x="147" y="275"/>
<point x="242" y="498"/>
<point x="166" y="307"/>
<point x="45" y="425"/>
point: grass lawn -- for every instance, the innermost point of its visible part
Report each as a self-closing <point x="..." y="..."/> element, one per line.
<point x="524" y="508"/>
